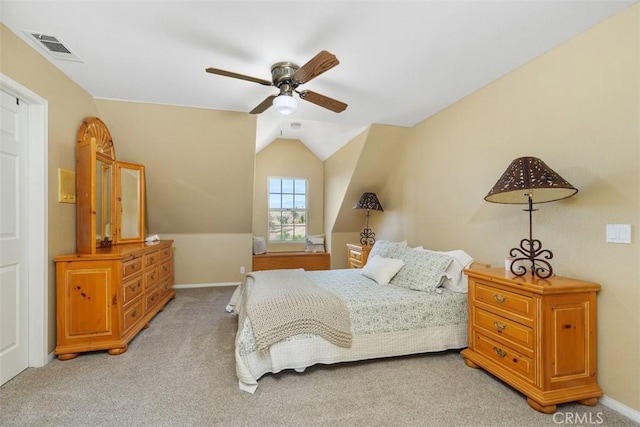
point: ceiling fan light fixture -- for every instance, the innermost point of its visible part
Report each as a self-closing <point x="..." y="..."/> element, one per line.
<point x="285" y="105"/>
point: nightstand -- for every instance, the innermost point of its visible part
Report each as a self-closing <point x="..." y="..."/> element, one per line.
<point x="357" y="255"/>
<point x="537" y="335"/>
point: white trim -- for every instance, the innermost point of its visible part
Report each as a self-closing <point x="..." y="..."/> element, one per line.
<point x="205" y="285"/>
<point x="620" y="408"/>
<point x="38" y="214"/>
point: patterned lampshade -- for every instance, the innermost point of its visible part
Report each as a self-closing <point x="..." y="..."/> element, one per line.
<point x="529" y="176"/>
<point x="368" y="201"/>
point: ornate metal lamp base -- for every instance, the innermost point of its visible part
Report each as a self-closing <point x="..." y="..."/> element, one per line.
<point x="531" y="250"/>
<point x="367" y="237"/>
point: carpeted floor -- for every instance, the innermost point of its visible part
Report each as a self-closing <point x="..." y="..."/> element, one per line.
<point x="181" y="372"/>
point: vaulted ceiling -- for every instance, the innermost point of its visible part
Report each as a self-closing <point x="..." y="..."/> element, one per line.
<point x="400" y="61"/>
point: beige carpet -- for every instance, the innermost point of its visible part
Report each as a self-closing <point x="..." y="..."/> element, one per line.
<point x="181" y="372"/>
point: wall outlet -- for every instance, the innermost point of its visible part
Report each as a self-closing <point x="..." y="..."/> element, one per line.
<point x="241" y="270"/>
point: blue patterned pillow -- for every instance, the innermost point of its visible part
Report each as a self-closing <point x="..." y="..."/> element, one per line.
<point x="422" y="271"/>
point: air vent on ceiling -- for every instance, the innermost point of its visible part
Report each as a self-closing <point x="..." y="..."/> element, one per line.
<point x="54" y="46"/>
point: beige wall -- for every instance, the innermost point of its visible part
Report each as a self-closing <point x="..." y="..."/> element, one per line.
<point x="364" y="165"/>
<point x="288" y="158"/>
<point x="576" y="108"/>
<point x="68" y="105"/>
<point x="338" y="172"/>
<point x="199" y="182"/>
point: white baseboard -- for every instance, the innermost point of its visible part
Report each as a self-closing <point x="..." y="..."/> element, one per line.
<point x="620" y="408"/>
<point x="205" y="285"/>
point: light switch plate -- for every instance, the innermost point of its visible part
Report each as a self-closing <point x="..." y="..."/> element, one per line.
<point x="619" y="233"/>
<point x="66" y="186"/>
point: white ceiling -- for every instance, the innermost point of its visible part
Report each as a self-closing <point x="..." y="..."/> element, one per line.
<point x="400" y="61"/>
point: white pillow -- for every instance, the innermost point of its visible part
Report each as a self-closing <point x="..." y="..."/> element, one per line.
<point x="381" y="269"/>
<point x="314" y="243"/>
<point x="454" y="279"/>
<point x="259" y="245"/>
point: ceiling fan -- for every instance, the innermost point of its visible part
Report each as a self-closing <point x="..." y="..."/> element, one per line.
<point x="287" y="76"/>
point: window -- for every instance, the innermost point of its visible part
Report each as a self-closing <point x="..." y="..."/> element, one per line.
<point x="287" y="209"/>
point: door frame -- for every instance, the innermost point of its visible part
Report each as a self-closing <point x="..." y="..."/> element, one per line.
<point x="37" y="223"/>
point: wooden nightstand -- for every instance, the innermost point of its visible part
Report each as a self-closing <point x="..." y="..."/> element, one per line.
<point x="537" y="335"/>
<point x="357" y="255"/>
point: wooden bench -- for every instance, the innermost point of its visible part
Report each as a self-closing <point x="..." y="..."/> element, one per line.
<point x="288" y="260"/>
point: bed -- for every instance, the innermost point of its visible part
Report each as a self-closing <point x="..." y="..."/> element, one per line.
<point x="404" y="301"/>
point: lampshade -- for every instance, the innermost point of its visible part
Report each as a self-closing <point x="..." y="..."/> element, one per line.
<point x="368" y="201"/>
<point x="529" y="177"/>
<point x="285" y="104"/>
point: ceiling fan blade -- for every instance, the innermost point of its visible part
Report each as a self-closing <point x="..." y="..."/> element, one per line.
<point x="317" y="65"/>
<point x="238" y="76"/>
<point x="323" y="101"/>
<point x="263" y="105"/>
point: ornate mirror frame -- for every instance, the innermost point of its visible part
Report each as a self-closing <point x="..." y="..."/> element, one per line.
<point x="100" y="208"/>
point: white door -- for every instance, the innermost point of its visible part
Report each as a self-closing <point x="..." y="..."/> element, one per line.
<point x="14" y="285"/>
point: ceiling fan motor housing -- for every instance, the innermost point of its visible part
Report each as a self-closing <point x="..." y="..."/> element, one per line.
<point x="282" y="73"/>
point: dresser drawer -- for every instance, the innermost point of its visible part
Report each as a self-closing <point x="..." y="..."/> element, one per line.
<point x="152" y="297"/>
<point x="132" y="266"/>
<point x="506" y="357"/>
<point x="151" y="258"/>
<point x="166" y="285"/>
<point x="151" y="277"/>
<point x="165" y="253"/>
<point x="507" y="303"/>
<point x="504" y="329"/>
<point x="165" y="270"/>
<point x="132" y="289"/>
<point x="133" y="314"/>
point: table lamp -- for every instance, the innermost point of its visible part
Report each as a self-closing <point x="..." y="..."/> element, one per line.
<point x="529" y="180"/>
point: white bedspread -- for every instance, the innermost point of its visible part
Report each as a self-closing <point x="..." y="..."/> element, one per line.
<point x="385" y="321"/>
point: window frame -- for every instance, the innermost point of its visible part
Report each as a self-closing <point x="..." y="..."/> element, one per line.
<point x="283" y="210"/>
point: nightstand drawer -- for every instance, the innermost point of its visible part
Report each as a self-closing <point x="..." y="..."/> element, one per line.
<point x="507" y="303"/>
<point x="500" y="328"/>
<point x="355" y="255"/>
<point x="506" y="357"/>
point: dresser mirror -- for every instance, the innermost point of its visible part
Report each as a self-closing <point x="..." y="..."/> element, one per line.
<point x="110" y="194"/>
<point x="104" y="175"/>
<point x="131" y="202"/>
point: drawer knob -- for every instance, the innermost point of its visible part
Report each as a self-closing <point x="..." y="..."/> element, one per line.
<point x="499" y="326"/>
<point x="500" y="352"/>
<point x="499" y="298"/>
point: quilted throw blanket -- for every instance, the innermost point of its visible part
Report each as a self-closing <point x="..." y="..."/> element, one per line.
<point x="283" y="303"/>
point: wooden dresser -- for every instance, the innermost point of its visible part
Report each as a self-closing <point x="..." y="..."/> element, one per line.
<point x="288" y="260"/>
<point x="537" y="335"/>
<point x="357" y="255"/>
<point x="105" y="299"/>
